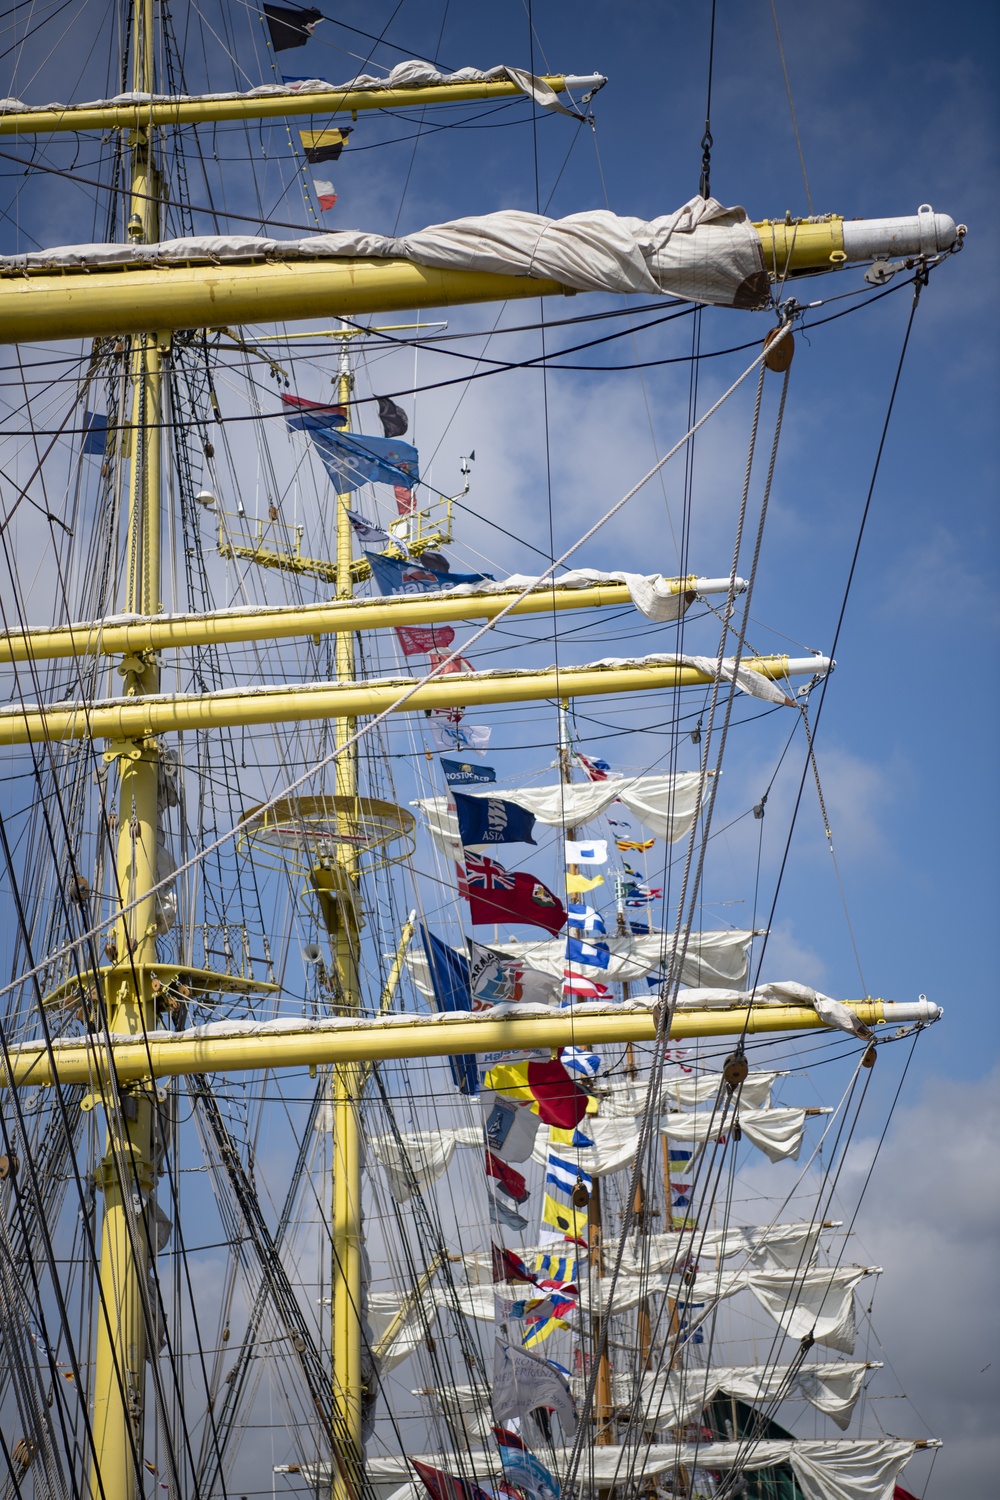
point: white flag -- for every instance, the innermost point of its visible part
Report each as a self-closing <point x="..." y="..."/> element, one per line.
<point x="522" y="1381"/>
<point x="579" y="852"/>
<point x="460" y="736"/>
<point x="496" y="978"/>
<point x="368" y="531"/>
<point x="509" y="1126"/>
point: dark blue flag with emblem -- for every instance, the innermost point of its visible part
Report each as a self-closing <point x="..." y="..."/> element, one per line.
<point x="491" y="820"/>
<point x="461" y="773"/>
<point x="401" y="575"/>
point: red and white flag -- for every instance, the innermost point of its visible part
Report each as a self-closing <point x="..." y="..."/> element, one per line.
<point x="584" y="989"/>
<point x="325" y="195"/>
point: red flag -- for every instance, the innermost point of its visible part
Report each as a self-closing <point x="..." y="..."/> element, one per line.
<point x="506" y="1439"/>
<point x="442" y="1486"/>
<point x="496" y="895"/>
<point x="416" y="639"/>
<point x="510" y="1267"/>
<point x="511" y="1181"/>
<point x="404" y="500"/>
<point x="560" y="1101"/>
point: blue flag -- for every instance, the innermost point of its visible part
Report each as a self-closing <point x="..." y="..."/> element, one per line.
<point x="579" y="914"/>
<point x="352" y="459"/>
<point x="399" y="575"/>
<point x="461" y="773"/>
<point x="491" y="820"/>
<point x="95" y="438"/>
<point x="580" y="952"/>
<point x="450" y="982"/>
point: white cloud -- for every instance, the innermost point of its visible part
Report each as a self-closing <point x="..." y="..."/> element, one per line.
<point x="931" y="1216"/>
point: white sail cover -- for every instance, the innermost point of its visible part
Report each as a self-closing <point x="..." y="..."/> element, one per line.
<point x="702" y="252"/>
<point x="666" y="805"/>
<point x="420" y="1157"/>
<point x="778" y="992"/>
<point x="411" y="74"/>
<point x="842" y="1469"/>
<point x="719" y="955"/>
<point x="776" y="1132"/>
<point x="675" y="1397"/>
<point x="652" y="593"/>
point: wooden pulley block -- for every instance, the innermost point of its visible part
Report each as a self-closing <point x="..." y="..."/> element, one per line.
<point x="581" y="1195"/>
<point x="734" y="1070"/>
<point x="868" y="1061"/>
<point x="780" y="358"/>
<point x="8" y="1167"/>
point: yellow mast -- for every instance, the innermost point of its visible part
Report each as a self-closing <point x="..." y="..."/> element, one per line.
<point x="126" y="1172"/>
<point x="346" y="1274"/>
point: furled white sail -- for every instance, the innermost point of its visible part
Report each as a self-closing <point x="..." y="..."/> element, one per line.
<point x="840" y="1469"/>
<point x="702" y="251"/>
<point x="819" y="1302"/>
<point x="411" y="74"/>
<point x="417" y="1317"/>
<point x="419" y="1158"/>
<point x="719" y="955"/>
<point x="681" y="1092"/>
<point x="776" y="1132"/>
<point x="672" y="1398"/>
<point x="667" y="805"/>
<point x="777" y="992"/>
<point x="772" y="1247"/>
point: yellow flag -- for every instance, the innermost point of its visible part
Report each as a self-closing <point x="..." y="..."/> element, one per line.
<point x="511" y="1080"/>
<point x="626" y="844"/>
<point x="577" y="884"/>
<point x="567" y="1220"/>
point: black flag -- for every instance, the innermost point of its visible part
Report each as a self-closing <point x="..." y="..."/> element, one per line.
<point x="392" y="417"/>
<point x="290" y="26"/>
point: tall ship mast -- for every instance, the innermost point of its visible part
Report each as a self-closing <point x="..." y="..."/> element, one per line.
<point x="345" y="1153"/>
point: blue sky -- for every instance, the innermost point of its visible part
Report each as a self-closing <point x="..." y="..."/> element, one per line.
<point x="895" y="107"/>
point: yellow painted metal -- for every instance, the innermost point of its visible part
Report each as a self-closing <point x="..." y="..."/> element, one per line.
<point x="187" y="111"/>
<point x="48" y="305"/>
<point x="44" y="304"/>
<point x="128" y="719"/>
<point x="181" y="632"/>
<point x="348" y="1081"/>
<point x="126" y="1173"/>
<point x="796" y="245"/>
<point x="164" y="1055"/>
